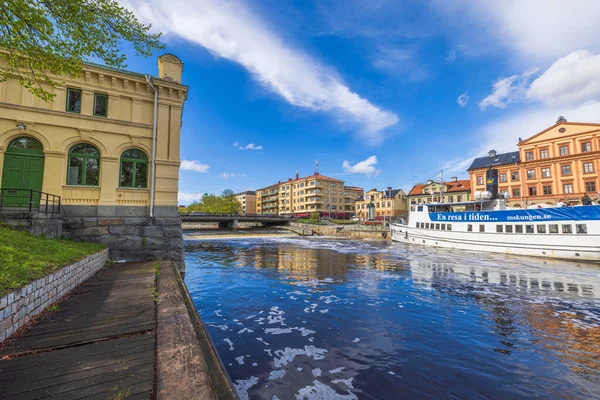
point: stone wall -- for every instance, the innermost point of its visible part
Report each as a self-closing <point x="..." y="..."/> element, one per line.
<point x="355" y="231"/>
<point x="131" y="238"/>
<point x="49" y="225"/>
<point x="18" y="307"/>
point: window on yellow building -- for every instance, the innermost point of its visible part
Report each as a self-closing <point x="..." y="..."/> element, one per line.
<point x="568" y="188"/>
<point x="480" y="180"/>
<point x="73" y="100"/>
<point x="529" y="156"/>
<point x="514" y="176"/>
<point x="84" y="165"/>
<point x="100" y="105"/>
<point x="548" y="189"/>
<point x="531" y="174"/>
<point x="590" y="186"/>
<point x="565" y="170"/>
<point x="533" y="191"/>
<point x="564" y="150"/>
<point x="545" y="172"/>
<point x="586" y="147"/>
<point x="134" y="169"/>
<point x="502" y="177"/>
<point x="544" y="153"/>
<point x="516" y="192"/>
<point x="588" y="167"/>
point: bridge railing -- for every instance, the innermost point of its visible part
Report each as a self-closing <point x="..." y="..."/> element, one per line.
<point x="239" y="215"/>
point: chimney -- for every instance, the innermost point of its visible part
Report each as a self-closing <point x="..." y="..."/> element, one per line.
<point x="454" y="179"/>
<point x="492" y="153"/>
<point x="296" y="174"/>
<point x="561" y="119"/>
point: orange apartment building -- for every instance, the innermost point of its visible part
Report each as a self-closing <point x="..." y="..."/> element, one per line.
<point x="559" y="163"/>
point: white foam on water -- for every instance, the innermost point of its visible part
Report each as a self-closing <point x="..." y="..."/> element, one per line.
<point x="325" y="311"/>
<point x="278" y="373"/>
<point x="250" y="317"/>
<point x="287" y="355"/>
<point x="298" y="368"/>
<point x="347" y="382"/>
<point x="221" y="327"/>
<point x="242" y="386"/>
<point x="320" y="391"/>
<point x="275" y="398"/>
<point x="336" y="370"/>
<point x="316" y="372"/>
<point x="269" y="352"/>
<point x="391" y="373"/>
<point x="255" y="364"/>
<point x="261" y="340"/>
<point x="278" y="331"/>
<point x="305" y="332"/>
<point x="218" y="313"/>
<point x="245" y="330"/>
<point x="230" y="343"/>
<point x="240" y="360"/>
<point x="356" y="340"/>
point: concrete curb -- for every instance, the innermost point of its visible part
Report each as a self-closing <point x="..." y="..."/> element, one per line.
<point x="188" y="365"/>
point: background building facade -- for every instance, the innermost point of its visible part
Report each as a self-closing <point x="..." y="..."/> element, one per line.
<point x="559" y="163"/>
<point x="388" y="203"/>
<point x="304" y="195"/>
<point x="248" y="201"/>
<point x="453" y="191"/>
<point x="93" y="147"/>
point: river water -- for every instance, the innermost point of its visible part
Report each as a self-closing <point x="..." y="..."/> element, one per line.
<point x="321" y="318"/>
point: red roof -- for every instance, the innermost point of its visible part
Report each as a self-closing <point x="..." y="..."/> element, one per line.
<point x="458" y="186"/>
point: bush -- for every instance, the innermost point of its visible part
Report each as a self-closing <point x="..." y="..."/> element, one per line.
<point x="311" y="221"/>
<point x="344" y="221"/>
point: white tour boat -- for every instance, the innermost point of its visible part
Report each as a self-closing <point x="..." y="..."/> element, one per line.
<point x="487" y="225"/>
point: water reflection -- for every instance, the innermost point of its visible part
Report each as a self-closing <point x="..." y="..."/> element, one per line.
<point x="295" y="317"/>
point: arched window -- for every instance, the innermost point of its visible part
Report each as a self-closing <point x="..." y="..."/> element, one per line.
<point x="134" y="169"/>
<point x="25" y="145"/>
<point x="84" y="165"/>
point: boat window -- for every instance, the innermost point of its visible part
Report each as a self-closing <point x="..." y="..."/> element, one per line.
<point x="469" y="228"/>
<point x="481" y="228"/>
<point x="443" y="227"/>
<point x="419" y="208"/>
<point x="581" y="228"/>
<point x="553" y="228"/>
<point x="518" y="228"/>
<point x="418" y="224"/>
<point x="449" y="227"/>
<point x="432" y="226"/>
<point x="567" y="228"/>
<point x="541" y="229"/>
<point x="529" y="229"/>
<point x="437" y="226"/>
<point x="499" y="228"/>
<point x="508" y="228"/>
<point x="427" y="225"/>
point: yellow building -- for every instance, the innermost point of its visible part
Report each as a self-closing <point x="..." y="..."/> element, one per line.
<point x="248" y="201"/>
<point x="108" y="145"/>
<point x="387" y="203"/>
<point x="454" y="191"/>
<point x="313" y="193"/>
<point x="558" y="163"/>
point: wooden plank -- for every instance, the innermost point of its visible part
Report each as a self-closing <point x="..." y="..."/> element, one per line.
<point x="75" y="354"/>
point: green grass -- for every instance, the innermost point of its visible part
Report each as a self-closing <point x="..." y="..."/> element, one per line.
<point x="343" y="221"/>
<point x="25" y="258"/>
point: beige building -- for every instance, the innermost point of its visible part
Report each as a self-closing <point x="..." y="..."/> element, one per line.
<point x="248" y="201"/>
<point x="108" y="146"/>
<point x="389" y="203"/>
<point x="560" y="162"/>
<point x="313" y="193"/>
<point x="454" y="191"/>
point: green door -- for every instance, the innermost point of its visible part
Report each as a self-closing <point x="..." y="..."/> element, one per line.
<point x="23" y="170"/>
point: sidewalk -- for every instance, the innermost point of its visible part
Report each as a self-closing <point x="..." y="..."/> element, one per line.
<point x="99" y="344"/>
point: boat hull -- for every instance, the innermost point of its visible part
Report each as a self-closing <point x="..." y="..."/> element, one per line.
<point x="581" y="248"/>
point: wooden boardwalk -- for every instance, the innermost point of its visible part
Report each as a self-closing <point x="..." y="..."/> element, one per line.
<point x="100" y="344"/>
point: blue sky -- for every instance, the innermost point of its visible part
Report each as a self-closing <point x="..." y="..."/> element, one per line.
<point x="382" y="93"/>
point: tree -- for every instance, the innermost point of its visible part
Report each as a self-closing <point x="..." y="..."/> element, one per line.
<point x="227" y="192"/>
<point x="44" y="38"/>
<point x="211" y="204"/>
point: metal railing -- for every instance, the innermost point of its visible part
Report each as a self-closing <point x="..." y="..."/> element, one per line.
<point x="32" y="200"/>
<point x="242" y="215"/>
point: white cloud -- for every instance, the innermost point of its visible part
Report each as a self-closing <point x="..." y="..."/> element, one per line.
<point x="451" y="57"/>
<point x="236" y="144"/>
<point x="507" y="90"/>
<point x="366" y="167"/>
<point x="572" y="79"/>
<point x="228" y="30"/>
<point x="463" y="99"/>
<point x="228" y="175"/>
<point x="187" y="198"/>
<point x="530" y="31"/>
<point x="194" y="165"/>
<point x="251" y="146"/>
